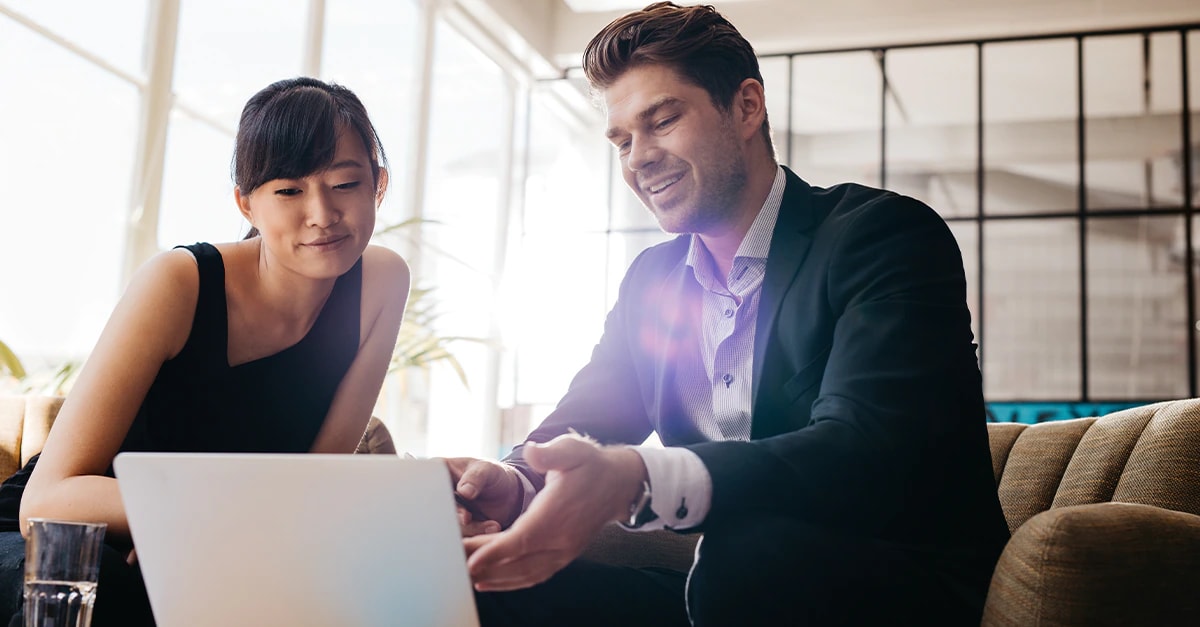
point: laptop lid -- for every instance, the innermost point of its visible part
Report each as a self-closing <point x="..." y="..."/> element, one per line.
<point x="306" y="539"/>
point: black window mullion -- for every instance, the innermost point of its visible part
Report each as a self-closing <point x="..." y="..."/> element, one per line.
<point x="1188" y="209"/>
<point x="1080" y="131"/>
<point x="881" y="58"/>
<point x="979" y="195"/>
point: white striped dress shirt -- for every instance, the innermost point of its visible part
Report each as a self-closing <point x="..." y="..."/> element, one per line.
<point x="716" y="390"/>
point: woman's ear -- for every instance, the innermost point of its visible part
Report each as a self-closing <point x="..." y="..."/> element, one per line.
<point x="381" y="186"/>
<point x="243" y="203"/>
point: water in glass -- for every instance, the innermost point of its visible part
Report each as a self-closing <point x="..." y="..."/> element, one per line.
<point x="59" y="603"/>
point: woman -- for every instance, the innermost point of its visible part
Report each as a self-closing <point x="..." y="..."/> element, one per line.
<point x="276" y="343"/>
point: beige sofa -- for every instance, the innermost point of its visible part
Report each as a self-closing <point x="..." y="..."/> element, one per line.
<point x="1105" y="514"/>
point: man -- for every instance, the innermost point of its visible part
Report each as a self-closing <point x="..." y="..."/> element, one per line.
<point x="805" y="355"/>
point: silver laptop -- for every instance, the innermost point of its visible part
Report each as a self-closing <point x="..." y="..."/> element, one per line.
<point x="248" y="539"/>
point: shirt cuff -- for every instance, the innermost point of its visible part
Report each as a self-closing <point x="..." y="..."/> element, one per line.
<point x="528" y="492"/>
<point x="680" y="487"/>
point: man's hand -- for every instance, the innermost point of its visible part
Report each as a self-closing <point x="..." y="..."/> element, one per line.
<point x="587" y="487"/>
<point x="493" y="491"/>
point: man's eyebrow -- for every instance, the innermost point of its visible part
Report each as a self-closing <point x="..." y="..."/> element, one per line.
<point x="646" y="113"/>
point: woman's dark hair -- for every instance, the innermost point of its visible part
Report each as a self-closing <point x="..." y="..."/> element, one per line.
<point x="696" y="41"/>
<point x="290" y="129"/>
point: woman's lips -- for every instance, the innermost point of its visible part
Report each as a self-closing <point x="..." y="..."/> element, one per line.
<point x="328" y="243"/>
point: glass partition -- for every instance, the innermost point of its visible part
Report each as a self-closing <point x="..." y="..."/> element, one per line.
<point x="1137" y="317"/>
<point x="1031" y="340"/>
<point x="1030" y="138"/>
<point x="932" y="143"/>
<point x="1131" y="107"/>
<point x="836" y="118"/>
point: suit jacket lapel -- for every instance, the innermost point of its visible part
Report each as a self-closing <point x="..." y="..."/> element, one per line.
<point x="790" y="242"/>
<point x="678" y="305"/>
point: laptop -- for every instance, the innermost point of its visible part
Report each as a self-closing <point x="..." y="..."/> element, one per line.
<point x="305" y="539"/>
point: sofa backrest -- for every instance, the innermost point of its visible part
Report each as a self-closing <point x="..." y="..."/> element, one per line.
<point x="1148" y="455"/>
<point x="25" y="421"/>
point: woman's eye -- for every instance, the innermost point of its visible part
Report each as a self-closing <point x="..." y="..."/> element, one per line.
<point x="287" y="191"/>
<point x="350" y="185"/>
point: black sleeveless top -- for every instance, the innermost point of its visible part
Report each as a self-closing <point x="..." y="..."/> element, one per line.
<point x="199" y="403"/>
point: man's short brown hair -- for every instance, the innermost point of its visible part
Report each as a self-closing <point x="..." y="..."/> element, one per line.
<point x="697" y="42"/>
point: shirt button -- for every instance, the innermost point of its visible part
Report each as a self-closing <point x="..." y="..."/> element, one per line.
<point x="728" y="313"/>
<point x="728" y="378"/>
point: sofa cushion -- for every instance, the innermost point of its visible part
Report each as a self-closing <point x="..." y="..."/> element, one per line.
<point x="1099" y="564"/>
<point x="1002" y="436"/>
<point x="1098" y="461"/>
<point x="1164" y="466"/>
<point x="1035" y="468"/>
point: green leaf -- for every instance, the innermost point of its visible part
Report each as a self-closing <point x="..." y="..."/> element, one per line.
<point x="418" y="345"/>
<point x="9" y="362"/>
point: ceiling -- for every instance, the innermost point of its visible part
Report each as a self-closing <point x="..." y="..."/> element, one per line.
<point x="548" y="36"/>
<point x="797" y="25"/>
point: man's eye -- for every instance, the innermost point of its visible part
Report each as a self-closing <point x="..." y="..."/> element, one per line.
<point x="350" y="185"/>
<point x="287" y="191"/>
<point x="623" y="148"/>
<point x="667" y="122"/>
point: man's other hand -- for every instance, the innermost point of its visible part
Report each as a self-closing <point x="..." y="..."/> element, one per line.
<point x="489" y="489"/>
<point x="587" y="487"/>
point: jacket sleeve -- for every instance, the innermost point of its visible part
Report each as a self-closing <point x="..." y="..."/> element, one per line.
<point x="900" y="379"/>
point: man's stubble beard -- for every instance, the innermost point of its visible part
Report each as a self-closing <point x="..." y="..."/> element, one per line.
<point x="719" y="205"/>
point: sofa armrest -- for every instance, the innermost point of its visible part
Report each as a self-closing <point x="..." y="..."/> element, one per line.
<point x="640" y="549"/>
<point x="376" y="439"/>
<point x="1099" y="564"/>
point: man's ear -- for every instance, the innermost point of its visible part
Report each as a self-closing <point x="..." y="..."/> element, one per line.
<point x="381" y="186"/>
<point x="750" y="107"/>
<point x="243" y="203"/>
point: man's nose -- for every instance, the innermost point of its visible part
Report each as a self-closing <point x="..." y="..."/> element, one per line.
<point x="643" y="153"/>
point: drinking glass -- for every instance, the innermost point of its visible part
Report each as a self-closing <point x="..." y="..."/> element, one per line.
<point x="62" y="567"/>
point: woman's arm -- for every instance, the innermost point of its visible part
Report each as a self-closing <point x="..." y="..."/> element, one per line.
<point x="384" y="294"/>
<point x="150" y="325"/>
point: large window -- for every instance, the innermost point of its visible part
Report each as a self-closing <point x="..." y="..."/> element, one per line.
<point x="68" y="127"/>
<point x="1060" y="165"/>
<point x="470" y="130"/>
<point x="1064" y="166"/>
<point x="100" y="138"/>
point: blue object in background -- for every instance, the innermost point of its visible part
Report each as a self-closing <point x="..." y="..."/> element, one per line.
<point x="1035" y="412"/>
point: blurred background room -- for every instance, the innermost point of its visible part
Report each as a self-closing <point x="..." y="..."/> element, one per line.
<point x="1057" y="137"/>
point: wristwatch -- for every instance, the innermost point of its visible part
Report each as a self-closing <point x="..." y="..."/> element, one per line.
<point x="639" y="510"/>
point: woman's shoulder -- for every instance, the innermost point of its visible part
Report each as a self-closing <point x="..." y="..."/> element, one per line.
<point x="385" y="280"/>
<point x="383" y="259"/>
<point x="160" y="301"/>
<point x="172" y="270"/>
<point x="384" y="268"/>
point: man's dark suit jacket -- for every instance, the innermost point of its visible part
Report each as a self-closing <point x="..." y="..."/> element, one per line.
<point x="868" y="413"/>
